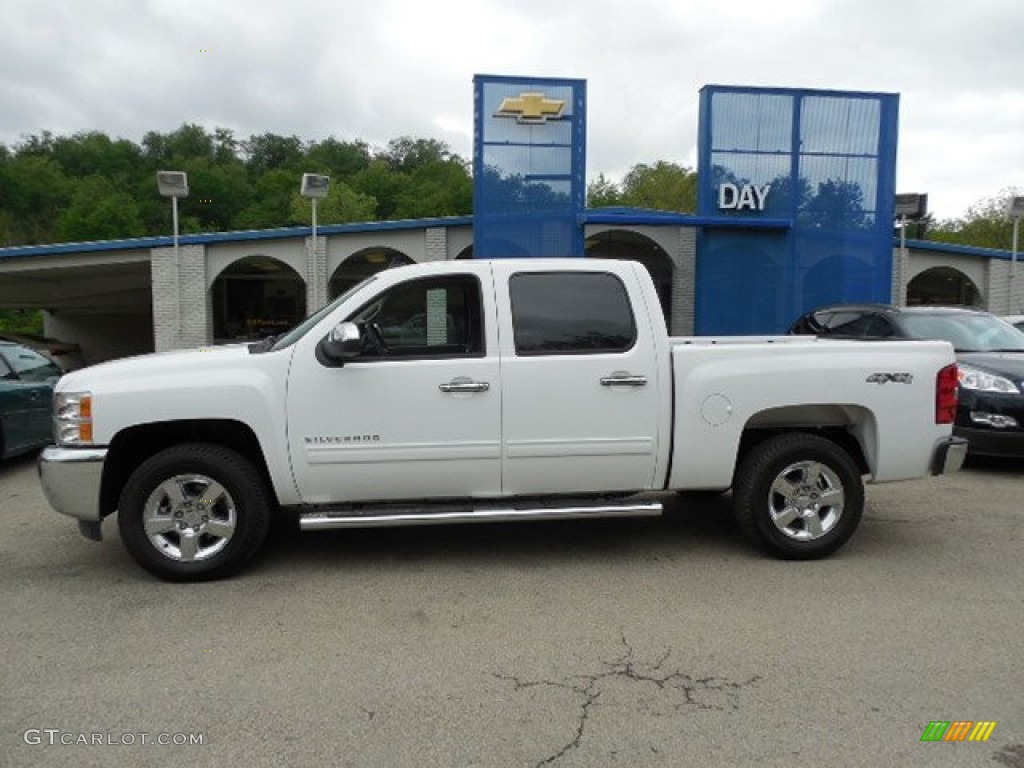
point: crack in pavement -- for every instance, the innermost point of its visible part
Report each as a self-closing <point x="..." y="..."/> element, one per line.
<point x="695" y="690"/>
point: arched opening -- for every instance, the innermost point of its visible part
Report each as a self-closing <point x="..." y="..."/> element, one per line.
<point x="943" y="285"/>
<point x="623" y="244"/>
<point x="361" y="265"/>
<point x="255" y="297"/>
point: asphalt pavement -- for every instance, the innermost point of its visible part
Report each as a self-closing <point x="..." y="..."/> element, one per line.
<point x="656" y="642"/>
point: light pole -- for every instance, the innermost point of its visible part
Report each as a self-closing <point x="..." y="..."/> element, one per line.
<point x="913" y="207"/>
<point x="314" y="186"/>
<point x="174" y="184"/>
<point x="1016" y="211"/>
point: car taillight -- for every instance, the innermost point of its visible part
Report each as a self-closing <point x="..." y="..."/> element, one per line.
<point x="945" y="395"/>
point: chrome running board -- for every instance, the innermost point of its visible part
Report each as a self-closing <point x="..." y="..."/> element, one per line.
<point x="392" y="515"/>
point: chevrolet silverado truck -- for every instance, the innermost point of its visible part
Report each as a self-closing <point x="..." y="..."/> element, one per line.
<point x="486" y="391"/>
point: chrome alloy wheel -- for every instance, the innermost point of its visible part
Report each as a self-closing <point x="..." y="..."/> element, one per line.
<point x="806" y="500"/>
<point x="189" y="518"/>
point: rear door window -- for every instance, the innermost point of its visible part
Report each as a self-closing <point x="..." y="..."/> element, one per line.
<point x="570" y="313"/>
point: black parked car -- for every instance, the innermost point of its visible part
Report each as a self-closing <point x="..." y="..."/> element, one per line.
<point x="989" y="352"/>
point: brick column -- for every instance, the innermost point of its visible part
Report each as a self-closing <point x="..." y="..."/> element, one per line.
<point x="684" y="284"/>
<point x="436" y="244"/>
<point x="997" y="288"/>
<point x="181" y="310"/>
<point x="900" y="267"/>
<point x="316" y="274"/>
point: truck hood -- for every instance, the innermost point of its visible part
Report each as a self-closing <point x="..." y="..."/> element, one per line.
<point x="176" y="362"/>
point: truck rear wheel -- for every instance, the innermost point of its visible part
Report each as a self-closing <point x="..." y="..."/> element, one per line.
<point x="799" y="496"/>
<point x="194" y="512"/>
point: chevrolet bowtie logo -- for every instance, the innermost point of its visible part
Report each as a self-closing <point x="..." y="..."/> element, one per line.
<point x="531" y="107"/>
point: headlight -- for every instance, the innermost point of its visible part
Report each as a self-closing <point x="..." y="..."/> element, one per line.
<point x="73" y="417"/>
<point x="980" y="381"/>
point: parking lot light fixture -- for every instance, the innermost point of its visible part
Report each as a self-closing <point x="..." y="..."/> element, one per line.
<point x="174" y="184"/>
<point x="314" y="186"/>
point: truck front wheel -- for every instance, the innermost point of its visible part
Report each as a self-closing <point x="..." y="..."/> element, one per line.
<point x="194" y="512"/>
<point x="798" y="495"/>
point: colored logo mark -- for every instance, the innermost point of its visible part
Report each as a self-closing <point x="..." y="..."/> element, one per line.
<point x="958" y="730"/>
<point x="531" y="107"/>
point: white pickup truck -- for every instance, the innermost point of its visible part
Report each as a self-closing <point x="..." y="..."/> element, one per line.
<point x="491" y="391"/>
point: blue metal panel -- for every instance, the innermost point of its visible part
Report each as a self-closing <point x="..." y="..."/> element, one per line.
<point x="824" y="159"/>
<point x="529" y="160"/>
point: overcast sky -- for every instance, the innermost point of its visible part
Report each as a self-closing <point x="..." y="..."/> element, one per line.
<point x="377" y="70"/>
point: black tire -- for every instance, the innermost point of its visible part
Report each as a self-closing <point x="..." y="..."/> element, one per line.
<point x="194" y="512"/>
<point x="798" y="496"/>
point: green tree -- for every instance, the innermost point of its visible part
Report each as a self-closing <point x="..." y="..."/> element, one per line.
<point x="381" y="183"/>
<point x="21" y="321"/>
<point x="663" y="186"/>
<point x="225" y="147"/>
<point x="406" y="154"/>
<point x="603" y="193"/>
<point x="987" y="224"/>
<point x="93" y="153"/>
<point x="338" y="159"/>
<point x="270" y="152"/>
<point x="271" y="201"/>
<point x="218" y="193"/>
<point x="35" y="192"/>
<point x="189" y="141"/>
<point x="342" y="205"/>
<point x="99" y="211"/>
<point x="436" y="188"/>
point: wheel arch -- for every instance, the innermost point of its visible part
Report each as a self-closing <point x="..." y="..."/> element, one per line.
<point x="852" y="427"/>
<point x="134" y="445"/>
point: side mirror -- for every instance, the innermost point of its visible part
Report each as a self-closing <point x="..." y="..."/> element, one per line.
<point x="344" y="342"/>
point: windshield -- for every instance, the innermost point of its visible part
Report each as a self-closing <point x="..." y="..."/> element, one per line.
<point x="966" y="332"/>
<point x="299" y="330"/>
<point x="27" y="364"/>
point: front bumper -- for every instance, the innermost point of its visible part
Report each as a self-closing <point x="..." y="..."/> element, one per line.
<point x="993" y="442"/>
<point x="71" y="480"/>
<point x="986" y="439"/>
<point x="949" y="455"/>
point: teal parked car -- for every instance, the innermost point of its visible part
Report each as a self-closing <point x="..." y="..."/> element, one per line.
<point x="26" y="399"/>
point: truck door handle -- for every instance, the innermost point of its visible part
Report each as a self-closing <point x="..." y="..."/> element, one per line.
<point x="462" y="384"/>
<point x="620" y="379"/>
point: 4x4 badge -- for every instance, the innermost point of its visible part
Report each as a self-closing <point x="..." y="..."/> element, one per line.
<point x="895" y="378"/>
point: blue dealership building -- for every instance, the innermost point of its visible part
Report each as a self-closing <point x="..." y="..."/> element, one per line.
<point x="795" y="202"/>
